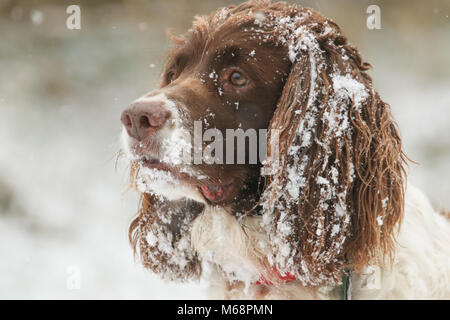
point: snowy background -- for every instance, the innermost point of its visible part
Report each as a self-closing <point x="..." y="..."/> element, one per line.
<point x="62" y="202"/>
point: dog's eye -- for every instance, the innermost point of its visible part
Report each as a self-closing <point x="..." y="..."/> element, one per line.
<point x="170" y="77"/>
<point x="238" y="79"/>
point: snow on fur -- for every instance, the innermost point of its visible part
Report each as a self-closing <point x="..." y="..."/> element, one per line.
<point x="281" y="197"/>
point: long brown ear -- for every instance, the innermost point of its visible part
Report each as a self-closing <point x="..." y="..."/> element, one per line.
<point x="339" y="192"/>
<point x="160" y="235"/>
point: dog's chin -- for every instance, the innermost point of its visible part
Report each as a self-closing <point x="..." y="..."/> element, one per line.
<point x="162" y="179"/>
<point x="171" y="189"/>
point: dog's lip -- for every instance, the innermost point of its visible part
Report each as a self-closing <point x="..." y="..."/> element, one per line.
<point x="217" y="192"/>
<point x="152" y="162"/>
<point x="213" y="192"/>
<point x="155" y="163"/>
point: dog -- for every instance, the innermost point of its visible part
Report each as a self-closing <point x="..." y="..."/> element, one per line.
<point x="326" y="214"/>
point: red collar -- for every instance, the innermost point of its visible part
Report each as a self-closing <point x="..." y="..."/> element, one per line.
<point x="282" y="278"/>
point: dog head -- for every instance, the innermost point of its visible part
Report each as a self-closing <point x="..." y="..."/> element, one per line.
<point x="334" y="194"/>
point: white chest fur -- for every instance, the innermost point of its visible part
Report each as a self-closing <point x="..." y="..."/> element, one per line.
<point x="237" y="247"/>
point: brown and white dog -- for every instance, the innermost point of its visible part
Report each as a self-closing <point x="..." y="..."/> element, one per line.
<point x="335" y="201"/>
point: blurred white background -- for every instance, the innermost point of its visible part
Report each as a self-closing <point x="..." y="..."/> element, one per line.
<point x="62" y="202"/>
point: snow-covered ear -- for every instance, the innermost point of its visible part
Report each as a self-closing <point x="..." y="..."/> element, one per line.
<point x="160" y="236"/>
<point x="337" y="194"/>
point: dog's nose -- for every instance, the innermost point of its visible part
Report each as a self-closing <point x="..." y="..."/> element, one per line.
<point x="144" y="118"/>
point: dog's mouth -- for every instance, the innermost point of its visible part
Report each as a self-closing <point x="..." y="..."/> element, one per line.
<point x="213" y="192"/>
<point x="155" y="163"/>
<point x="218" y="192"/>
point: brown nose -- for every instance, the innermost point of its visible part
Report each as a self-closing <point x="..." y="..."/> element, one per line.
<point x="144" y="118"/>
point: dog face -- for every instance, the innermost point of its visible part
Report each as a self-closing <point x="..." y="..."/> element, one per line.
<point x="216" y="77"/>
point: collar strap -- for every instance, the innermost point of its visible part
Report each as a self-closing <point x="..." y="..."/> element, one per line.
<point x="287" y="277"/>
<point x="282" y="278"/>
<point x="347" y="285"/>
